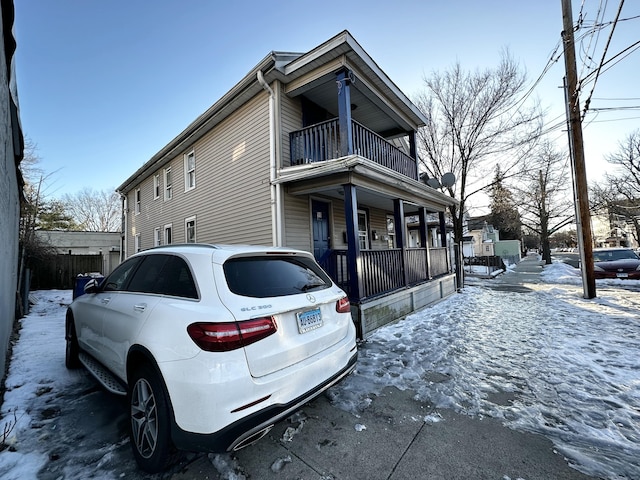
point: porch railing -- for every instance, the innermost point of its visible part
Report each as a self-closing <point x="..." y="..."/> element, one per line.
<point x="382" y="270"/>
<point x="439" y="262"/>
<point x="321" y="142"/>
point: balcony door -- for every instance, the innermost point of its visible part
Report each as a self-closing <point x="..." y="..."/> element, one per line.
<point x="320" y="227"/>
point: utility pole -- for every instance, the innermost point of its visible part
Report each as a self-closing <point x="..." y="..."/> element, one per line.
<point x="585" y="240"/>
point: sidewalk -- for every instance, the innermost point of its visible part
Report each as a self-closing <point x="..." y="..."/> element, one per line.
<point x="397" y="438"/>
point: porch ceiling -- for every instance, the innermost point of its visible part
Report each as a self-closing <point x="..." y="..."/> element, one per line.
<point x="376" y="186"/>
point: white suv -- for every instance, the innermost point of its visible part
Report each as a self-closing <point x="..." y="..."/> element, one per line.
<point x="212" y="344"/>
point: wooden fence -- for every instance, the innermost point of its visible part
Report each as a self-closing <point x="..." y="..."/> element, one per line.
<point x="60" y="271"/>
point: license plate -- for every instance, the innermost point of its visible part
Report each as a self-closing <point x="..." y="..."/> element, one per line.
<point x="309" y="320"/>
<point x="622" y="275"/>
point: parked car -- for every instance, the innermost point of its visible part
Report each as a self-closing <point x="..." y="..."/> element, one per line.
<point x="211" y="344"/>
<point x="616" y="263"/>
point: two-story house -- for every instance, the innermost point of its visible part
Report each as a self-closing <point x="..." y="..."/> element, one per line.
<point x="315" y="151"/>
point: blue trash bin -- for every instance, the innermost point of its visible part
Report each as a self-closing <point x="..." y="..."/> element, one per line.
<point x="81" y="280"/>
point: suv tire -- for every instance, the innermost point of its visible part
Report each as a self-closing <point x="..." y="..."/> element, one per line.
<point x="149" y="420"/>
<point x="72" y="351"/>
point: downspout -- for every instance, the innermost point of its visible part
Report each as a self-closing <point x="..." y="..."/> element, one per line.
<point x="276" y="193"/>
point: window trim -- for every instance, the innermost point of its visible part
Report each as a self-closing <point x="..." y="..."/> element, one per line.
<point x="137" y="243"/>
<point x="168" y="184"/>
<point x="137" y="196"/>
<point x="168" y="239"/>
<point x="365" y="231"/>
<point x="186" y="229"/>
<point x="156" y="186"/>
<point x="189" y="173"/>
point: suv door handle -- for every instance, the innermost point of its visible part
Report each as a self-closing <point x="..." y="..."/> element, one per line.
<point x="139" y="307"/>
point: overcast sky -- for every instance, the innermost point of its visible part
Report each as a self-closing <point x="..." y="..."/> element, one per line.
<point x="105" y="85"/>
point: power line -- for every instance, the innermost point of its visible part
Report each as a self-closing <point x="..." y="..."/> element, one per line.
<point x="604" y="54"/>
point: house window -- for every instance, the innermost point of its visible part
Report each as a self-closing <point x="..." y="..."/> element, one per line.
<point x="137" y="204"/>
<point x="137" y="245"/>
<point x="167" y="234"/>
<point x="157" y="237"/>
<point x="391" y="231"/>
<point x="363" y="229"/>
<point x="168" y="188"/>
<point x="190" y="229"/>
<point x="190" y="170"/>
<point x="156" y="187"/>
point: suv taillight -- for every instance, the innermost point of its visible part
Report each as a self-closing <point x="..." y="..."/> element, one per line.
<point x="343" y="305"/>
<point x="222" y="337"/>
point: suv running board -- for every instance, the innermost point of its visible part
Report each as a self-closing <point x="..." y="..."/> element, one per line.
<point x="104" y="376"/>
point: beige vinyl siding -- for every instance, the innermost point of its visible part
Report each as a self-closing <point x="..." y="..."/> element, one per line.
<point x="378" y="222"/>
<point x="291" y="120"/>
<point x="231" y="200"/>
<point x="297" y="223"/>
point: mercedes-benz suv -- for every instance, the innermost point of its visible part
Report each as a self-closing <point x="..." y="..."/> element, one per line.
<point x="211" y="344"/>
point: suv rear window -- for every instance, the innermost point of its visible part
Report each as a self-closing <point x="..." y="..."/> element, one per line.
<point x="274" y="276"/>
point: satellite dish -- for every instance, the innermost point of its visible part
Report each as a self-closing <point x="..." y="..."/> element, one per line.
<point x="433" y="183"/>
<point x="448" y="179"/>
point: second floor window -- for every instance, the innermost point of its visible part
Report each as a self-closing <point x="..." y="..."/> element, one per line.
<point x="189" y="170"/>
<point x="156" y="187"/>
<point x="137" y="203"/>
<point x="167" y="234"/>
<point x="168" y="187"/>
<point x="157" y="237"/>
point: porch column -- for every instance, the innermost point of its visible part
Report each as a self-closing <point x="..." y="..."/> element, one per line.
<point x="344" y="112"/>
<point x="413" y="151"/>
<point x="424" y="237"/>
<point x="398" y="213"/>
<point x="443" y="234"/>
<point x="353" y="245"/>
<point x="443" y="229"/>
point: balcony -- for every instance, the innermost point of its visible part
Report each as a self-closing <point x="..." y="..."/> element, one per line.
<point x="321" y="142"/>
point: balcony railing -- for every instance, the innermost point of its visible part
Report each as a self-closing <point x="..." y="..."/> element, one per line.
<point x="321" y="142"/>
<point x="382" y="270"/>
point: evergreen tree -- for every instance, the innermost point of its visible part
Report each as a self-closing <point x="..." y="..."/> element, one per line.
<point x="504" y="214"/>
<point x="52" y="216"/>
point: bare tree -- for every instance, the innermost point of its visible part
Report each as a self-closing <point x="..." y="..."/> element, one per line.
<point x="475" y="120"/>
<point x="545" y="195"/>
<point x="95" y="211"/>
<point x="618" y="196"/>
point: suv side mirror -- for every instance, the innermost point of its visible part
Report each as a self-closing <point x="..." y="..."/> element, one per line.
<point x="91" y="286"/>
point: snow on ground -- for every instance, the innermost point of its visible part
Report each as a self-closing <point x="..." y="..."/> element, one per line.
<point x="547" y="361"/>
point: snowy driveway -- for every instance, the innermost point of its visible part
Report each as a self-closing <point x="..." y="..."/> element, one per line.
<point x="546" y="361"/>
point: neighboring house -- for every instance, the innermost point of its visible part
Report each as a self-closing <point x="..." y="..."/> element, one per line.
<point x="11" y="152"/>
<point x="106" y="244"/>
<point x="485" y="242"/>
<point x="315" y="151"/>
<point x="482" y="236"/>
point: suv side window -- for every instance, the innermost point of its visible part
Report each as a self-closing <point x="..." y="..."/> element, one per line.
<point x="147" y="276"/>
<point x="119" y="278"/>
<point x="176" y="279"/>
<point x="164" y="275"/>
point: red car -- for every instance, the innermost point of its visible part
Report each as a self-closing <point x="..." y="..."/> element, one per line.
<point x="616" y="263"/>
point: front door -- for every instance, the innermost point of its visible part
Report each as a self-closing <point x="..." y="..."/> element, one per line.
<point x="320" y="225"/>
